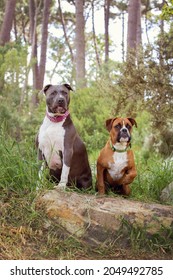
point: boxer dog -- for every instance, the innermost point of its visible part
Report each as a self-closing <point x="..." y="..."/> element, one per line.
<point x="115" y="164"/>
<point x="58" y="142"/>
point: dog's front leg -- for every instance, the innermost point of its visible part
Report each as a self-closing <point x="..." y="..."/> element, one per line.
<point x="64" y="176"/>
<point x="100" y="185"/>
<point x="130" y="175"/>
<point x="128" y="179"/>
<point x="67" y="157"/>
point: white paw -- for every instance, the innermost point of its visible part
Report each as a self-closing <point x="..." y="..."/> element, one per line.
<point x="60" y="186"/>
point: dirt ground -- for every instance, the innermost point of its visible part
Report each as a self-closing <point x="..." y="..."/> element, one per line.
<point x="24" y="243"/>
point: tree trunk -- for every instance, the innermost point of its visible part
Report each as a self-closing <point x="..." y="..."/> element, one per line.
<point x="94" y="36"/>
<point x="44" y="37"/>
<point x="32" y="18"/>
<point x="134" y="28"/>
<point x="38" y="69"/>
<point x="33" y="13"/>
<point x="7" y="22"/>
<point x="65" y="33"/>
<point x="80" y="44"/>
<point x="138" y="31"/>
<point x="106" y="13"/>
<point x="161" y="43"/>
<point x="123" y="50"/>
<point x="6" y="28"/>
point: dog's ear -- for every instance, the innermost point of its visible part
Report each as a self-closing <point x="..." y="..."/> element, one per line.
<point x="46" y="88"/>
<point x="68" y="86"/>
<point x="133" y="122"/>
<point x="109" y="123"/>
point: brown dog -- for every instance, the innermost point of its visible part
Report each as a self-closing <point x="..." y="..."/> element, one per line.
<point x="115" y="164"/>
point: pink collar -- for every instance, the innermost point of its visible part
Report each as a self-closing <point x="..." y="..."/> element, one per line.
<point x="58" y="118"/>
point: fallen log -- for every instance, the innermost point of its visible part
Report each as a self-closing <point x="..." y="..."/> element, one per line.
<point x="98" y="219"/>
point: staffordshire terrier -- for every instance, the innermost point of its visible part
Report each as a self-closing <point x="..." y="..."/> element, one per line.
<point x="115" y="164"/>
<point x="58" y="142"/>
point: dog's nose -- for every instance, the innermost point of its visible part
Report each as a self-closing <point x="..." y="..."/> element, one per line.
<point x="61" y="101"/>
<point x="124" y="130"/>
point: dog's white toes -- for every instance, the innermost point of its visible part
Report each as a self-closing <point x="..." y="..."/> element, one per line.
<point x="60" y="186"/>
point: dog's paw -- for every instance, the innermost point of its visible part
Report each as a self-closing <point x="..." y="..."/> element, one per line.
<point x="60" y="186"/>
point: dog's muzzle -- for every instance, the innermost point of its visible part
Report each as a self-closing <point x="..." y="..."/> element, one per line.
<point x="59" y="106"/>
<point x="124" y="135"/>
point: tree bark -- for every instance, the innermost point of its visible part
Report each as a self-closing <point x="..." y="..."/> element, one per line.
<point x="7" y="22"/>
<point x="32" y="18"/>
<point x="138" y="31"/>
<point x="44" y="37"/>
<point x="80" y="44"/>
<point x="107" y="14"/>
<point x="94" y="36"/>
<point x="33" y="13"/>
<point x="123" y="49"/>
<point x="134" y="27"/>
<point x="38" y="68"/>
<point x="65" y="33"/>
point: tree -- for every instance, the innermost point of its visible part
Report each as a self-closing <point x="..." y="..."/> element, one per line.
<point x="134" y="28"/>
<point x="44" y="38"/>
<point x="80" y="44"/>
<point x="38" y="68"/>
<point x="7" y="22"/>
<point x="33" y="13"/>
<point x="94" y="36"/>
<point x="106" y="20"/>
<point x="65" y="32"/>
<point x="6" y="28"/>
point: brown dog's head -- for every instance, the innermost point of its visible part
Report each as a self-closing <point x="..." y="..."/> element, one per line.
<point x="120" y="129"/>
<point x="57" y="98"/>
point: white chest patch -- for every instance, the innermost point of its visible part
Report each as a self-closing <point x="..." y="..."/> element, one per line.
<point x="51" y="142"/>
<point x="118" y="164"/>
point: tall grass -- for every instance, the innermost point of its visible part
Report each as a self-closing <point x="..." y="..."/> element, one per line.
<point x="18" y="165"/>
<point x="153" y="175"/>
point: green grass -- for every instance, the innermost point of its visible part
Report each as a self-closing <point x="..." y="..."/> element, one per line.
<point x="18" y="165"/>
<point x="153" y="175"/>
<point x="138" y="238"/>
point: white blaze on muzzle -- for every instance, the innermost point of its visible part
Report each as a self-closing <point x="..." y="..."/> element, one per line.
<point x="123" y="133"/>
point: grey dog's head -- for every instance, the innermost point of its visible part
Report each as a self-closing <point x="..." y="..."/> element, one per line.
<point x="57" y="98"/>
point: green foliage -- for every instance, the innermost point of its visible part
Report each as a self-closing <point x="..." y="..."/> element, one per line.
<point x="167" y="10"/>
<point x="18" y="170"/>
<point x="153" y="175"/>
<point x="89" y="113"/>
<point x="13" y="63"/>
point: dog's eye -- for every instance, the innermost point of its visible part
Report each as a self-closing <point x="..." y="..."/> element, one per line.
<point x="53" y="93"/>
<point x="63" y="92"/>
<point x="128" y="126"/>
<point x="118" y="126"/>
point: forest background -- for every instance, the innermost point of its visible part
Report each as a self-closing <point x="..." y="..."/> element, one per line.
<point x="42" y="42"/>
